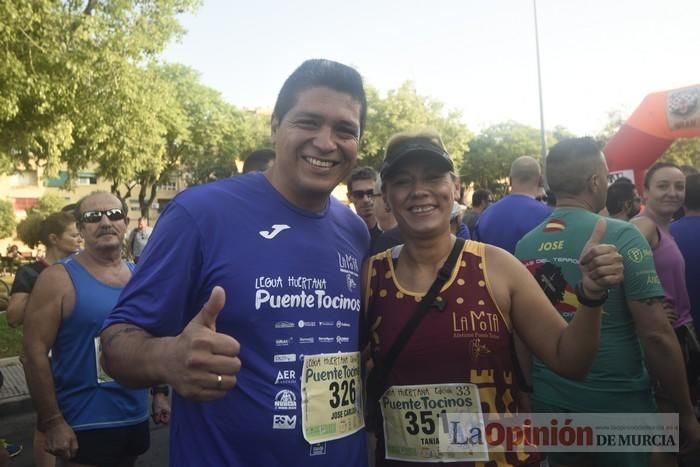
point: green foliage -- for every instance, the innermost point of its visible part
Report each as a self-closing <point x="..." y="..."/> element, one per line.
<point x="615" y="121"/>
<point x="684" y="151"/>
<point x="48" y="204"/>
<point x="403" y="109"/>
<point x="28" y="229"/>
<point x="10" y="338"/>
<point x="487" y="164"/>
<point x="74" y="90"/>
<point x="7" y="218"/>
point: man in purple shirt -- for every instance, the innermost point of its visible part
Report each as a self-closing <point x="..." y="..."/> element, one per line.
<point x="505" y="222"/>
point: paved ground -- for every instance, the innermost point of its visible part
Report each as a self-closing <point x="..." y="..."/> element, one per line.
<point x="17" y="420"/>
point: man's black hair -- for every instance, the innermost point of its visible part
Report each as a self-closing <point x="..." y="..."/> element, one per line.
<point x="361" y="173"/>
<point x="258" y="160"/>
<point x="619" y="193"/>
<point x="321" y="73"/>
<point x="479" y="196"/>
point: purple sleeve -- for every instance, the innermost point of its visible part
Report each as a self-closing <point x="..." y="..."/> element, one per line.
<point x="160" y="295"/>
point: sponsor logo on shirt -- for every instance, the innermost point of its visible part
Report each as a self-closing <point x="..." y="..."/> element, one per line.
<point x="284" y="422"/>
<point x="286" y="377"/>
<point x="285" y="400"/>
<point x="341" y="324"/>
<point x="306" y="340"/>
<point x="326" y="323"/>
<point x="342" y="339"/>
<point x="349" y="265"/>
<point x="284" y="325"/>
<point x="637" y="255"/>
<point x="285" y="358"/>
<point x="284" y="342"/>
<point x="317" y="449"/>
<point x="326" y="340"/>
<point x="308" y="324"/>
<point x="276" y="229"/>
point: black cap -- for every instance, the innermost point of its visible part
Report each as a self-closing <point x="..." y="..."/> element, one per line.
<point x="415" y="147"/>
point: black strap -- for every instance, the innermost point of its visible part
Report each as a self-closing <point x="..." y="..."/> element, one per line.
<point x="425" y="304"/>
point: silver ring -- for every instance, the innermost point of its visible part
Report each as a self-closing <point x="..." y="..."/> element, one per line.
<point x="219" y="381"/>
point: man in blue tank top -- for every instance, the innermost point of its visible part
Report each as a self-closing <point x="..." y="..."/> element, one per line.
<point x="247" y="297"/>
<point x="88" y="418"/>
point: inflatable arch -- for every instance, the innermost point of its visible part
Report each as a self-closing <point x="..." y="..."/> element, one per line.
<point x="661" y="118"/>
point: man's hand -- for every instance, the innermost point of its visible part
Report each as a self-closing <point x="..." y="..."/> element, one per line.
<point x="601" y="265"/>
<point x="61" y="440"/>
<point x="160" y="409"/>
<point x="202" y="364"/>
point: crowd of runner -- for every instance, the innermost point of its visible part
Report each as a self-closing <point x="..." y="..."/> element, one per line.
<point x="295" y="332"/>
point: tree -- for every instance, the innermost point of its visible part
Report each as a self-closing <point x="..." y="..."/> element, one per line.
<point x="28" y="228"/>
<point x="404" y="109"/>
<point x="72" y="88"/>
<point x="7" y="218"/>
<point x="48" y="204"/>
<point x="616" y="119"/>
<point x="491" y="153"/>
<point x="684" y="151"/>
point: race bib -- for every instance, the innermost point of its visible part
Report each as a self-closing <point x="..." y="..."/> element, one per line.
<point x="331" y="395"/>
<point x="419" y="423"/>
<point x="102" y="376"/>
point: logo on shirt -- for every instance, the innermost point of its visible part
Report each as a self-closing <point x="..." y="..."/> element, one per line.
<point x="306" y="340"/>
<point x="637" y="255"/>
<point x="317" y="449"/>
<point x="326" y="340"/>
<point x="308" y="324"/>
<point x="276" y="229"/>
<point x="285" y="358"/>
<point x="285" y="400"/>
<point x="286" y="377"/>
<point x="284" y="325"/>
<point x="326" y="323"/>
<point x="341" y="324"/>
<point x="284" y="342"/>
<point x="284" y="422"/>
<point x="342" y="339"/>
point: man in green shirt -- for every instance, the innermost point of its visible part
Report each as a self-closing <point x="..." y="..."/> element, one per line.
<point x="632" y="314"/>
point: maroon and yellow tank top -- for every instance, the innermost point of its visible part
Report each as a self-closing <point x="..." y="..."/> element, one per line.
<point x="468" y="341"/>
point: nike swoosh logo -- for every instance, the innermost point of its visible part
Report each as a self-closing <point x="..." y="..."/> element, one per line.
<point x="276" y="229"/>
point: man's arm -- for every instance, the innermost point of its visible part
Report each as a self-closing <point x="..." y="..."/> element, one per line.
<point x="568" y="350"/>
<point x="199" y="363"/>
<point x="51" y="299"/>
<point x="662" y="352"/>
<point x="15" y="309"/>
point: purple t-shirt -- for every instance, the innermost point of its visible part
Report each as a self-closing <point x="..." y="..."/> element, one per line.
<point x="505" y="222"/>
<point x="670" y="267"/>
<point x="685" y="232"/>
<point x="292" y="283"/>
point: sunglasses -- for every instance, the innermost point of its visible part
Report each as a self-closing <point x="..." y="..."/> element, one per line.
<point x="92" y="217"/>
<point x="359" y="194"/>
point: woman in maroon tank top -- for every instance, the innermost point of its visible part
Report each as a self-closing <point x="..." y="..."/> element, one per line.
<point x="460" y="359"/>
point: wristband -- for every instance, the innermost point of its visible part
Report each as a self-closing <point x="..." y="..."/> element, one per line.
<point x="589" y="302"/>
<point x="165" y="390"/>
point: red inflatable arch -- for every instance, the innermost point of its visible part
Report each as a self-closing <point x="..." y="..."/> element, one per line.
<point x="661" y="118"/>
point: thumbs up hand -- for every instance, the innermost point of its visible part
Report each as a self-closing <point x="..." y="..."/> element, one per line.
<point x="204" y="363"/>
<point x="601" y="265"/>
